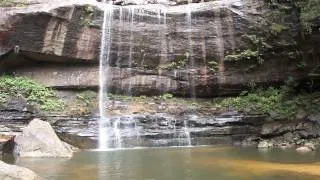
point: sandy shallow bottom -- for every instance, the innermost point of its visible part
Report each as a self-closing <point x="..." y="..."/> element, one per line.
<point x="179" y="163"/>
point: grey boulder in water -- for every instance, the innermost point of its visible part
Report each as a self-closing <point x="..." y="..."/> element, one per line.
<point x="39" y="139"/>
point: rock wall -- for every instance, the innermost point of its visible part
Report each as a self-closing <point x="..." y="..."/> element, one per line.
<point x="155" y="48"/>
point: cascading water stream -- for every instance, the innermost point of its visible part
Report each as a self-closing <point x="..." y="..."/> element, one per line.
<point x="190" y="58"/>
<point x="105" y="125"/>
<point x="103" y="121"/>
<point x="109" y="130"/>
<point x="131" y="49"/>
<point x="190" y="54"/>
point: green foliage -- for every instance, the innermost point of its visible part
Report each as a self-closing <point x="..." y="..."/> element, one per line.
<point x="12" y="3"/>
<point x="310" y="9"/>
<point x="89" y="10"/>
<point x="213" y="66"/>
<point x="35" y="93"/>
<point x="257" y="43"/>
<point x="167" y="96"/>
<point x="279" y="5"/>
<point x="87" y="20"/>
<point x="295" y="54"/>
<point x="270" y="101"/>
<point x="87" y="97"/>
<point x="246" y="54"/>
<point x="143" y="97"/>
<point x="277" y="29"/>
<point x="179" y="63"/>
<point x="308" y="14"/>
<point x="257" y="46"/>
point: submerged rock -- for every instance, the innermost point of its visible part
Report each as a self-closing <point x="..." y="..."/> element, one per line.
<point x="13" y="172"/>
<point x="38" y="139"/>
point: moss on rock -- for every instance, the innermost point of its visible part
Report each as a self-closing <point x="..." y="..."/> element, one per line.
<point x="34" y="92"/>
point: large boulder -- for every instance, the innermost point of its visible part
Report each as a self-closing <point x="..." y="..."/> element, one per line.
<point x="13" y="172"/>
<point x="39" y="139"/>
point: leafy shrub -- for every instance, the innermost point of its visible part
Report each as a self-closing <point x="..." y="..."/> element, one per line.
<point x="247" y="54"/>
<point x="34" y="92"/>
<point x="272" y="100"/>
<point x="167" y="96"/>
<point x="276" y="29"/>
<point x="12" y="3"/>
<point x="87" y="97"/>
<point x="213" y="66"/>
<point x="179" y="63"/>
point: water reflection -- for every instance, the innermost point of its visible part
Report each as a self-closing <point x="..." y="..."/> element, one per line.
<point x="179" y="163"/>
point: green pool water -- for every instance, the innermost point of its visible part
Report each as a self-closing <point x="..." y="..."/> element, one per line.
<point x="175" y="163"/>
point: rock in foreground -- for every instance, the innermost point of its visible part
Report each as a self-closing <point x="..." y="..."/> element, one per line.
<point x="14" y="172"/>
<point x="38" y="139"/>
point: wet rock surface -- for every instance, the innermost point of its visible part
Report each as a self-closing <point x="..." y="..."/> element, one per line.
<point x="162" y="129"/>
<point x="154" y="121"/>
<point x="290" y="133"/>
<point x="150" y="130"/>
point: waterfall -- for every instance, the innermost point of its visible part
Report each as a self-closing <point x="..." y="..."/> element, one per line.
<point x="220" y="46"/>
<point x="131" y="50"/>
<point x="164" y="49"/>
<point x="105" y="125"/>
<point x="190" y="54"/>
<point x="190" y="58"/>
<point x="111" y="130"/>
<point x="103" y="121"/>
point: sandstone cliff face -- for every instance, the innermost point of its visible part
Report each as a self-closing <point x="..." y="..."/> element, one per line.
<point x="155" y="48"/>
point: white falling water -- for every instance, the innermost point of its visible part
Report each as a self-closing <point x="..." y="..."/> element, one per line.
<point x="108" y="129"/>
<point x="189" y="56"/>
<point x="131" y="50"/>
<point x="164" y="49"/>
<point x="190" y="53"/>
<point x="220" y="46"/>
<point x="119" y="53"/>
<point x="103" y="121"/>
<point x="105" y="126"/>
<point x="117" y="133"/>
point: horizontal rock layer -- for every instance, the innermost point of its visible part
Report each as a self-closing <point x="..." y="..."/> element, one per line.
<point x="154" y="49"/>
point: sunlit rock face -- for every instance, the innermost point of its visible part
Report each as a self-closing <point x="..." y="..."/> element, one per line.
<point x="155" y="48"/>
